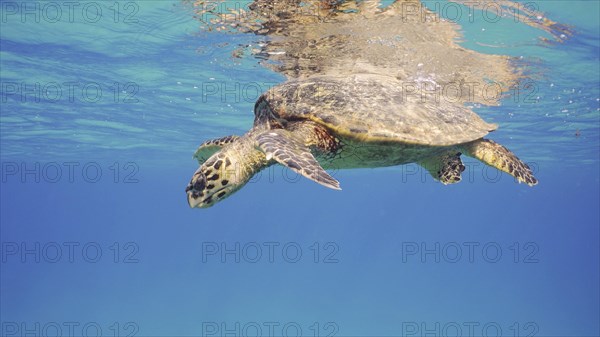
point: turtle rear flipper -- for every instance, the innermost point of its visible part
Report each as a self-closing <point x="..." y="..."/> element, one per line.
<point x="210" y="147"/>
<point x="446" y="168"/>
<point x="281" y="146"/>
<point x="496" y="155"/>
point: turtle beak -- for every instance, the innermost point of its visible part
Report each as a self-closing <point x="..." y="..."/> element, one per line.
<point x="193" y="201"/>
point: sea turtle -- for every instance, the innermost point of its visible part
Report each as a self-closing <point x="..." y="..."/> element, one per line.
<point x="335" y="122"/>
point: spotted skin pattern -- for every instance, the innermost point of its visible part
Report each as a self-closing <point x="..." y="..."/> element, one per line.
<point x="225" y="171"/>
<point x="282" y="146"/>
<point x="451" y="169"/>
<point x="496" y="155"/>
<point x="446" y="167"/>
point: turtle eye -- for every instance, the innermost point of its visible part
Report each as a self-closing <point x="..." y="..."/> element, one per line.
<point x="200" y="182"/>
<point x="197" y="189"/>
<point x="197" y="184"/>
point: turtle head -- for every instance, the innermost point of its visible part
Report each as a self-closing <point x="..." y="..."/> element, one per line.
<point x="221" y="175"/>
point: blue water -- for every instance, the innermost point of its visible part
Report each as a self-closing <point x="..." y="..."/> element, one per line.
<point x="99" y="120"/>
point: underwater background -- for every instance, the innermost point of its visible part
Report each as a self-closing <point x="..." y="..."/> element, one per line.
<point x="103" y="105"/>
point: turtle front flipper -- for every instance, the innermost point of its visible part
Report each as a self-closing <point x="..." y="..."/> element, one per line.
<point x="283" y="147"/>
<point x="210" y="147"/>
<point x="446" y="168"/>
<point x="496" y="155"/>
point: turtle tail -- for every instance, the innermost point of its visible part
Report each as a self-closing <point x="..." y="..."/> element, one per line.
<point x="496" y="155"/>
